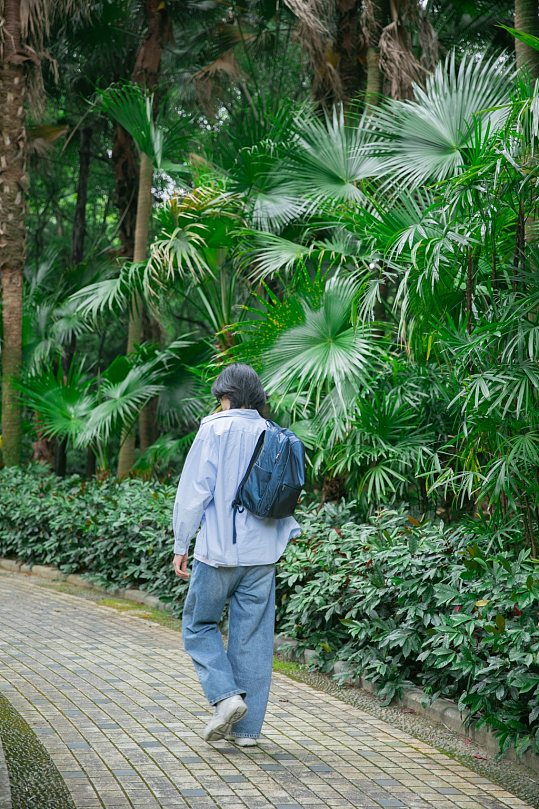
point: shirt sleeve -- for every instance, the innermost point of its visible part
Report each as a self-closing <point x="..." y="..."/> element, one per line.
<point x="195" y="489"/>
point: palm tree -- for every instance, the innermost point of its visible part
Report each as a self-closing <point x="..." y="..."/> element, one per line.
<point x="133" y="109"/>
<point x="24" y="29"/>
<point x="75" y="409"/>
<point x="12" y="221"/>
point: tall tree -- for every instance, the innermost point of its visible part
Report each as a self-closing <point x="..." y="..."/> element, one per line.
<point x="24" y="30"/>
<point x="146" y="74"/>
<point x="12" y="218"/>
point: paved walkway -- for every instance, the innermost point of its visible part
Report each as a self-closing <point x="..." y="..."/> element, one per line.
<point x="116" y="703"/>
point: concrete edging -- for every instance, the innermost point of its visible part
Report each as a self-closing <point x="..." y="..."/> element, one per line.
<point x="440" y="711"/>
<point x="5" y="790"/>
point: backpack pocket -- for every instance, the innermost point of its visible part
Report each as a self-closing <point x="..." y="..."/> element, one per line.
<point x="286" y="501"/>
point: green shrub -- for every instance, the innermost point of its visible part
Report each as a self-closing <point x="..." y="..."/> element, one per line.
<point x="403" y="602"/>
<point x="451" y="609"/>
<point x="119" y="532"/>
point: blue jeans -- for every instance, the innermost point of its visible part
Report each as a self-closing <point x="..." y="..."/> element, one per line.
<point x="245" y="666"/>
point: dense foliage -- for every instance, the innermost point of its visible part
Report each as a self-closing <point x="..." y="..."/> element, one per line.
<point x="119" y="533"/>
<point x="344" y="195"/>
<point x="454" y="610"/>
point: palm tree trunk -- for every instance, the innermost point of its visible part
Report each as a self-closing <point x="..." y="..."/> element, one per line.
<point x="375" y="21"/>
<point x="373" y="91"/>
<point x="145" y="72"/>
<point x="12" y="223"/>
<point x="77" y="254"/>
<point x="348" y="47"/>
<point x="147" y="422"/>
<point x="140" y="253"/>
<point x="126" y="457"/>
<point x="79" y="222"/>
<point x="527" y="20"/>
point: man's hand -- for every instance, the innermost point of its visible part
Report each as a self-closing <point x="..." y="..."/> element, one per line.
<point x="180" y="566"/>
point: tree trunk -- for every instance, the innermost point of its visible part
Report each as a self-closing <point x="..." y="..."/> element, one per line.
<point x="145" y="73"/>
<point x="77" y="254"/>
<point x="159" y="31"/>
<point x="60" y="461"/>
<point x="349" y="45"/>
<point x="527" y="20"/>
<point x="148" y="432"/>
<point x="147" y="422"/>
<point x="12" y="223"/>
<point x="126" y="177"/>
<point x="126" y="457"/>
<point x="90" y="463"/>
<point x="142" y="229"/>
<point x="79" y="222"/>
<point x="373" y="91"/>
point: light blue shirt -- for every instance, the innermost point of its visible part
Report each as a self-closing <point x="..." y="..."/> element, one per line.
<point x="213" y="469"/>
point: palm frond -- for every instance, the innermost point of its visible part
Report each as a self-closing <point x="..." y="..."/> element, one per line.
<point x="110" y="294"/>
<point x="266" y="254"/>
<point x="63" y="404"/>
<point x="325" y="350"/>
<point x="426" y="139"/>
<point x="121" y="403"/>
<point x="177" y="254"/>
<point x="133" y="108"/>
<point x="329" y="160"/>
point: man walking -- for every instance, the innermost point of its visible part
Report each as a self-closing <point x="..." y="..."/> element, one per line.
<point x="236" y="569"/>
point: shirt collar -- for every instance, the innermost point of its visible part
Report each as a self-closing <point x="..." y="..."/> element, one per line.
<point x="234" y="411"/>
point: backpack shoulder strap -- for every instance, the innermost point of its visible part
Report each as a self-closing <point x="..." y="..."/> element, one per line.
<point x="252" y="462"/>
<point x="237" y="505"/>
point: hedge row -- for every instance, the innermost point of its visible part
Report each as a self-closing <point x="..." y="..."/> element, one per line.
<point x="451" y="609"/>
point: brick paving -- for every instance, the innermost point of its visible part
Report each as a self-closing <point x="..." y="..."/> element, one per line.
<point x="117" y="705"/>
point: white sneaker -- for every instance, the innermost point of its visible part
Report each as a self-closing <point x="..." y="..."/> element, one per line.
<point x="245" y="741"/>
<point x="227" y="712"/>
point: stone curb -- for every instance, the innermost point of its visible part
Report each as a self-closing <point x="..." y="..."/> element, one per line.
<point x="5" y="791"/>
<point x="51" y="573"/>
<point x="440" y="711"/>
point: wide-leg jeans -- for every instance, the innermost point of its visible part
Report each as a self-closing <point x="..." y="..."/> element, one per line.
<point x="244" y="667"/>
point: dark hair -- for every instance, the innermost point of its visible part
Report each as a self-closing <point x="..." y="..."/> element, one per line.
<point x="241" y="384"/>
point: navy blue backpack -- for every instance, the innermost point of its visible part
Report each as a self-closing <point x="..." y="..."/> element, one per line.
<point x="275" y="476"/>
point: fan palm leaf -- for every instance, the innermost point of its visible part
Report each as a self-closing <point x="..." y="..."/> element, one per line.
<point x="248" y="151"/>
<point x="427" y="139"/>
<point x="126" y="387"/>
<point x="121" y="404"/>
<point x="326" y="350"/>
<point x="133" y="108"/>
<point x="267" y="254"/>
<point x="329" y="160"/>
<point x="111" y="294"/>
<point x="63" y="404"/>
